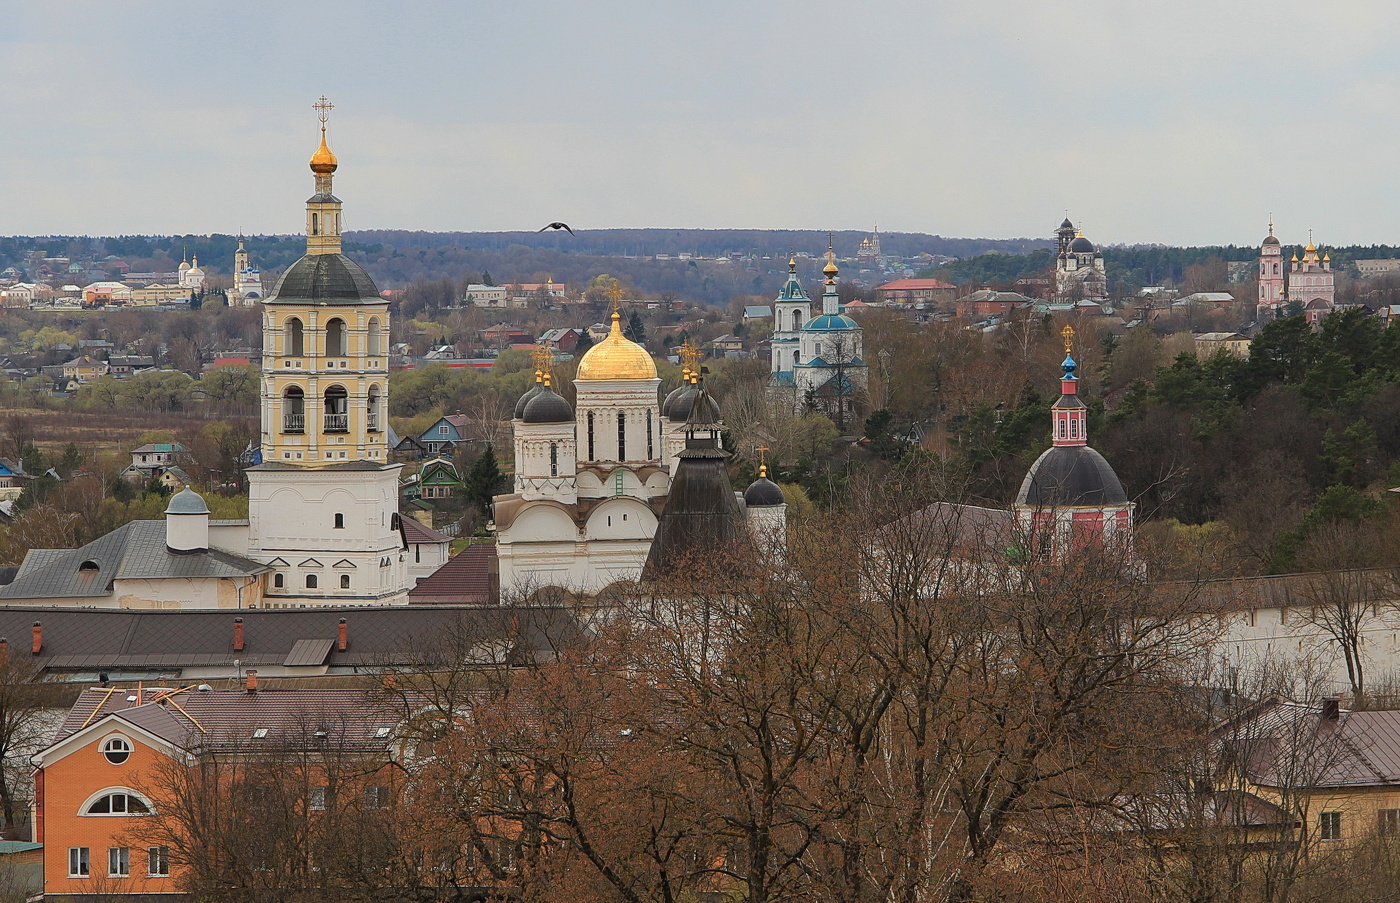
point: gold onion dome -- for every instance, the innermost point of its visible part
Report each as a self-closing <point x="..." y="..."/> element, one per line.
<point x="830" y="269"/>
<point x="323" y="162"/>
<point x="616" y="357"/>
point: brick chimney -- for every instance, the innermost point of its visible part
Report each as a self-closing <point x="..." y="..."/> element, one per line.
<point x="4" y="648"/>
<point x="237" y="634"/>
<point x="252" y="680"/>
<point x="38" y="638"/>
<point x="1331" y="708"/>
<point x="343" y="640"/>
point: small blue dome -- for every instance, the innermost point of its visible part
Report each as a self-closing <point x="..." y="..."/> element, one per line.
<point x="830" y="323"/>
<point x="187" y="501"/>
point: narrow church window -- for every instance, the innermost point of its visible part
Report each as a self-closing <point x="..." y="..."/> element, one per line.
<point x="278" y="581"/>
<point x="310" y="581"/>
<point x="622" y="435"/>
<point x="340" y="521"/>
<point x="335" y="338"/>
<point x="315" y="224"/>
<point x="553" y="460"/>
<point x="344" y="581"/>
<point x="649" y="442"/>
<point x="293" y="335"/>
<point x="590" y="437"/>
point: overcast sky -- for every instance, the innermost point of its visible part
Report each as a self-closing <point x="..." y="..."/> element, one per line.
<point x="1184" y="123"/>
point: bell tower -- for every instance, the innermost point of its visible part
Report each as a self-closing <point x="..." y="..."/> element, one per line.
<point x="323" y="505"/>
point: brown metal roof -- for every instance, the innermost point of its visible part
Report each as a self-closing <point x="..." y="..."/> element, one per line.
<point x="467" y="578"/>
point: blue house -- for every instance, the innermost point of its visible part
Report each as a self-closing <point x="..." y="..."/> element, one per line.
<point x="445" y="436"/>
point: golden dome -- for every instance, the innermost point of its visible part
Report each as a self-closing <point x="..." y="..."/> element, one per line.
<point x="1311" y="247"/>
<point x="323" y="162"/>
<point x="616" y="357"/>
<point x="830" y="269"/>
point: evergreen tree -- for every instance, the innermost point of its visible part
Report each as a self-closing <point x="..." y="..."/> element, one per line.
<point x="635" y="330"/>
<point x="486" y="278"/>
<point x="483" y="481"/>
<point x="70" y="463"/>
<point x="585" y="342"/>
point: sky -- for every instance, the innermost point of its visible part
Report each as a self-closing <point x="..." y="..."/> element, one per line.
<point x="1183" y="123"/>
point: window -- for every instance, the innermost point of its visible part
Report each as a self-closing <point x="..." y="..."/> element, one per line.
<point x="116" y="750"/>
<point x="622" y="435"/>
<point x="344" y="581"/>
<point x="315" y="224"/>
<point x="372" y="406"/>
<point x="650" y="450"/>
<point x="118" y="862"/>
<point x="442" y="430"/>
<point x="78" y="864"/>
<point x="553" y="460"/>
<point x="373" y="342"/>
<point x="310" y="581"/>
<point x="1331" y="825"/>
<point x="317" y="801"/>
<point x="376" y="797"/>
<point x="335" y="338"/>
<point x="590" y="437"/>
<point x="278" y="581"/>
<point x="293" y="411"/>
<point x="118" y="804"/>
<point x="292" y="334"/>
<point x="340" y="521"/>
<point x="158" y="862"/>
<point x="337" y="403"/>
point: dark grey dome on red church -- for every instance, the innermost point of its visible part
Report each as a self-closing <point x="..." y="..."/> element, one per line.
<point x="1071" y="476"/>
<point x="548" y="407"/>
<point x="325" y="278"/>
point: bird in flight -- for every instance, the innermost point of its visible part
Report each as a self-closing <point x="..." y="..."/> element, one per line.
<point x="564" y="226"/>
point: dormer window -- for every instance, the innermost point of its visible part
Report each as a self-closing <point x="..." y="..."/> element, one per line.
<point x="89" y="565"/>
<point x="116" y="750"/>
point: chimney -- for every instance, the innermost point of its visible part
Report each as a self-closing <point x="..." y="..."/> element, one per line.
<point x="237" y="634"/>
<point x="38" y="638"/>
<point x="344" y="640"/>
<point x="4" y="648"/>
<point x="1331" y="708"/>
<point x="252" y="680"/>
<point x="389" y="679"/>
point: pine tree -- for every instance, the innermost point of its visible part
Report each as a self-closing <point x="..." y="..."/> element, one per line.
<point x="635" y="330"/>
<point x="483" y="481"/>
<point x="486" y="278"/>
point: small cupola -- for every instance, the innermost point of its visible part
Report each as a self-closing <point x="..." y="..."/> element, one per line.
<point x="187" y="522"/>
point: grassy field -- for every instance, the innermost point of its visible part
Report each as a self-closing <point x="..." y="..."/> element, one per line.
<point x="105" y="434"/>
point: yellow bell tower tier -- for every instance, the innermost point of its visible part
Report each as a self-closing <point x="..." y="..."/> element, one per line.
<point x="323" y="504"/>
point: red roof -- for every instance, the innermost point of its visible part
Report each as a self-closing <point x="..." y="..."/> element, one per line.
<point x="466" y="578"/>
<point x="914" y="284"/>
<point x="416" y="532"/>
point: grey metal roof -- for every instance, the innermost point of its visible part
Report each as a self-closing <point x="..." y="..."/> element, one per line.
<point x="307" y="653"/>
<point x="132" y="551"/>
<point x="547" y="407"/>
<point x="325" y="279"/>
<point x="1072" y="476"/>
<point x="187" y="501"/>
<point x="94" y="639"/>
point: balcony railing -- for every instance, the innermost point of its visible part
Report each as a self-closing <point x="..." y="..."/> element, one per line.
<point x="337" y="423"/>
<point x="293" y="423"/>
<point x="372" y="421"/>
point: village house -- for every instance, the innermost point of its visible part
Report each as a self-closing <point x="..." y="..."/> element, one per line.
<point x="85" y="369"/>
<point x="915" y="291"/>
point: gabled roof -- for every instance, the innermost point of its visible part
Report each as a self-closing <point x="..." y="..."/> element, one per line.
<point x="466" y="578"/>
<point x="135" y="550"/>
<point x="914" y="285"/>
<point x="416" y="532"/>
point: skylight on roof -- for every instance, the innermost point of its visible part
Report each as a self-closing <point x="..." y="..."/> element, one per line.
<point x="260" y="733"/>
<point x="382" y="732"/>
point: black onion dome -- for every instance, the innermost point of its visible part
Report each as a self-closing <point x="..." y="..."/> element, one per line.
<point x="679" y="411"/>
<point x="1066" y="224"/>
<point x="1071" y="476"/>
<point x="1271" y="240"/>
<point x="1082" y="245"/>
<point x="325" y="279"/>
<point x="763" y="493"/>
<point x="548" y="407"/>
<point x="534" y="390"/>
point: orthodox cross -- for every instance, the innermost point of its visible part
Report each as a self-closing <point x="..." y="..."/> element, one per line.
<point x="762" y="461"/>
<point x="1068" y="333"/>
<point x="615" y="293"/>
<point x="323" y="109"/>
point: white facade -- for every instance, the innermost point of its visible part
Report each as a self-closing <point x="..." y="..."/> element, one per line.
<point x="791" y="310"/>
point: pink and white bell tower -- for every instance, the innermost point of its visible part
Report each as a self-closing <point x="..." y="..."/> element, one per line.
<point x="1271" y="276"/>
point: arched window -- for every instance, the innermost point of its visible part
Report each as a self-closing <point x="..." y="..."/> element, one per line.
<point x="344" y="581"/>
<point x="337" y="407"/>
<point x="315" y="224"/>
<point x="372" y="343"/>
<point x="339" y="521"/>
<point x="372" y="406"/>
<point x="278" y="581"/>
<point x="622" y="435"/>
<point x="796" y="324"/>
<point x="335" y="338"/>
<point x="310" y="581"/>
<point x="590" y="437"/>
<point x="553" y="459"/>
<point x="293" y="410"/>
<point x="116" y="750"/>
<point x="118" y="803"/>
<point x="649" y="442"/>
<point x="292" y="337"/>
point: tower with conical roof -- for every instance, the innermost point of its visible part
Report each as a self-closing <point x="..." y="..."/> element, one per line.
<point x="323" y="505"/>
<point x="1271" y="276"/>
<point x="791" y="309"/>
<point x="1071" y="496"/>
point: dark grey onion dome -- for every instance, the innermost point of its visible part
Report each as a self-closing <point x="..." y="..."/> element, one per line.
<point x="671" y="397"/>
<point x="683" y="407"/>
<point x="1271" y="240"/>
<point x="534" y="390"/>
<point x="763" y="493"/>
<point x="1066" y="224"/>
<point x="547" y="407"/>
<point x="1082" y="245"/>
<point x="1071" y="476"/>
<point x="325" y="278"/>
<point x="187" y="501"/>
